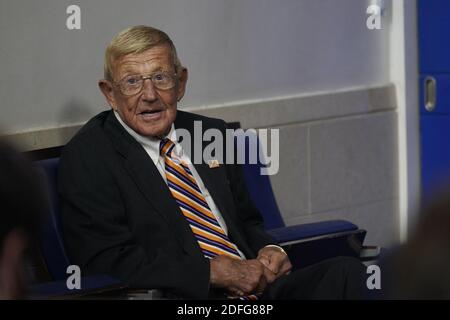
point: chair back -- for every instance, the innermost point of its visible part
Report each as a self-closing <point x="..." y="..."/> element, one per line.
<point x="52" y="245"/>
<point x="258" y="185"/>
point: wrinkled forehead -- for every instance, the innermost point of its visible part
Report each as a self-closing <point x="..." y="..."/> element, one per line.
<point x="158" y="58"/>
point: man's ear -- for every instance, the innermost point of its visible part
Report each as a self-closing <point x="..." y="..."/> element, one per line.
<point x="107" y="90"/>
<point x="182" y="79"/>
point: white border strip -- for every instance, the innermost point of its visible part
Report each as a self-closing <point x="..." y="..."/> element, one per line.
<point x="404" y="74"/>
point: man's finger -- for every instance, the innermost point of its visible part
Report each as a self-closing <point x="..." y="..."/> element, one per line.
<point x="264" y="260"/>
<point x="270" y="276"/>
<point x="277" y="262"/>
<point x="274" y="266"/>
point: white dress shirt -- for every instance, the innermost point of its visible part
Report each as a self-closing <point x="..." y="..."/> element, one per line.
<point x="151" y="146"/>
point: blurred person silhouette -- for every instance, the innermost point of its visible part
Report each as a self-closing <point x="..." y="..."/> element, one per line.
<point x="23" y="204"/>
<point x="420" y="269"/>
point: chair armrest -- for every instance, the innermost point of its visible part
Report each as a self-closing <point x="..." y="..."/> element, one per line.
<point x="370" y="254"/>
<point x="311" y="230"/>
<point x="311" y="243"/>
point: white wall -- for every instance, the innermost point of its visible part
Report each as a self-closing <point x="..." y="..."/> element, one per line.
<point x="235" y="50"/>
<point x="308" y="67"/>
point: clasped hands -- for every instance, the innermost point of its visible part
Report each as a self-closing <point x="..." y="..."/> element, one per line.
<point x="243" y="277"/>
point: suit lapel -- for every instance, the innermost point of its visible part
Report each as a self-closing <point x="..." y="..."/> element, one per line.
<point x="150" y="183"/>
<point x="210" y="177"/>
<point x="214" y="179"/>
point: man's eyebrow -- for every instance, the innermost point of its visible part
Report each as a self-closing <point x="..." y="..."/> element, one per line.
<point x="131" y="69"/>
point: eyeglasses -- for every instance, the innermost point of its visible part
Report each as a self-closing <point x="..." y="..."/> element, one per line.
<point x="133" y="84"/>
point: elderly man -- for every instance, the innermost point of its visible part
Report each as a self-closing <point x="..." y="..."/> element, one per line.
<point x="135" y="206"/>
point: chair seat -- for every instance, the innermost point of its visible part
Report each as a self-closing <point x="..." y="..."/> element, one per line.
<point x="311" y="230"/>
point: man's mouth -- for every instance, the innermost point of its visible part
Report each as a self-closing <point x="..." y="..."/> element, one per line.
<point x="151" y="114"/>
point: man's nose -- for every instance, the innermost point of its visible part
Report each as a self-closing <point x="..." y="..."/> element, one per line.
<point x="148" y="90"/>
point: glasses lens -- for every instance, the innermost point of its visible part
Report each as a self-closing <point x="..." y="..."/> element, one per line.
<point x="131" y="84"/>
<point x="163" y="80"/>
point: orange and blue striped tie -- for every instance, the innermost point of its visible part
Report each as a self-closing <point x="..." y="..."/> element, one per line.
<point x="182" y="184"/>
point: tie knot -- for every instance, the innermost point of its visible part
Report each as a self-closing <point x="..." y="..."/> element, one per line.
<point x="166" y="146"/>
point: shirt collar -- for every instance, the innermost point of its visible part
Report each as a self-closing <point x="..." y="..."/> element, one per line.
<point x="149" y="143"/>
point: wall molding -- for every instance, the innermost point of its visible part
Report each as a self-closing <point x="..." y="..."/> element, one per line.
<point x="254" y="114"/>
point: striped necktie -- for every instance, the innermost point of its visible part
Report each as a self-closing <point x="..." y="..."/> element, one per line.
<point x="211" y="237"/>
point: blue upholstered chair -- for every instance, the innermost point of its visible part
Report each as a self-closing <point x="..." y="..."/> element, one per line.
<point x="305" y="243"/>
<point x="54" y="255"/>
<point x="52" y="245"/>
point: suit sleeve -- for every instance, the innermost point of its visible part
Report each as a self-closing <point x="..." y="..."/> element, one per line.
<point x="97" y="235"/>
<point x="249" y="216"/>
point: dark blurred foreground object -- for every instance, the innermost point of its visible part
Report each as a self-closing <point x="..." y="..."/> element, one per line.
<point x="22" y="207"/>
<point x="421" y="268"/>
<point x="24" y="213"/>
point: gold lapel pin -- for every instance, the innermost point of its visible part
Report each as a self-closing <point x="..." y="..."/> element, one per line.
<point x="214" y="163"/>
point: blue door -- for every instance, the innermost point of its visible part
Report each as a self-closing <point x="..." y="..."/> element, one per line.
<point x="434" y="82"/>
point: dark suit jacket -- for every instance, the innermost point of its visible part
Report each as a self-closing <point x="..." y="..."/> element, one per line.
<point x="119" y="217"/>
